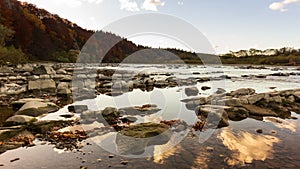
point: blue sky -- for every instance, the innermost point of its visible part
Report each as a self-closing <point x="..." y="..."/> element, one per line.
<point x="227" y="24"/>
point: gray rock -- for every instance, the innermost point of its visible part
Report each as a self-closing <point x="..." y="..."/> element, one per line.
<point x="129" y="119"/>
<point x="16" y="105"/>
<point x="19" y="119"/>
<point x="242" y="92"/>
<point x="61" y="71"/>
<point x="42" y="84"/>
<point x="192" y="91"/>
<point x="36" y="108"/>
<point x="220" y="91"/>
<point x="43" y="69"/>
<point x="77" y="108"/>
<point x="229" y="102"/>
<point x="237" y="113"/>
<point x="259" y="111"/>
<point x="252" y="99"/>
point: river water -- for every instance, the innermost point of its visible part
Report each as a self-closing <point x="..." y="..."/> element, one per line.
<point x="236" y="146"/>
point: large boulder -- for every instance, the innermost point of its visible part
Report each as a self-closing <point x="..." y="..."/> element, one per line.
<point x="135" y="138"/>
<point x="237" y="113"/>
<point x="111" y="115"/>
<point x="42" y="84"/>
<point x="36" y="108"/>
<point x="214" y="115"/>
<point x="43" y="69"/>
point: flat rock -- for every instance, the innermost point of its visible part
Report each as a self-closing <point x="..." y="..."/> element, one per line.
<point x="36" y="108"/>
<point x="258" y="111"/>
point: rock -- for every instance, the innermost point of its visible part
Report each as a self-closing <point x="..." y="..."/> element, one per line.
<point x="43" y="69"/>
<point x="259" y="131"/>
<point x="16" y="105"/>
<point x="229" y="102"/>
<point x="192" y="91"/>
<point x="5" y="69"/>
<point x="111" y="115"/>
<point x="214" y="115"/>
<point x="129" y="119"/>
<point x="15" y="159"/>
<point x="135" y="138"/>
<point x="124" y="162"/>
<point x="42" y="84"/>
<point x="180" y="128"/>
<point x="209" y="149"/>
<point x="36" y="108"/>
<point x="258" y="111"/>
<point x="220" y="91"/>
<point x="19" y="119"/>
<point x="291" y="99"/>
<point x="205" y="88"/>
<point x="252" y="99"/>
<point x="237" y="113"/>
<point x="242" y="92"/>
<point x="111" y="156"/>
<point x="61" y="71"/>
<point x="77" y="108"/>
<point x="139" y="110"/>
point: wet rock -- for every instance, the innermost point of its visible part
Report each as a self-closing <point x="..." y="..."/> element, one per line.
<point x="214" y="115"/>
<point x="42" y="84"/>
<point x="192" y="91"/>
<point x="61" y="71"/>
<point x="15" y="159"/>
<point x="252" y="99"/>
<point x="259" y="131"/>
<point x="77" y="108"/>
<point x="19" y="119"/>
<point x="43" y="69"/>
<point x="128" y="119"/>
<point x="220" y="91"/>
<point x="205" y="88"/>
<point x="139" y="110"/>
<point x="237" y="113"/>
<point x="36" y="108"/>
<point x="242" y="92"/>
<point x="229" y="102"/>
<point x="135" y="138"/>
<point x="259" y="111"/>
<point x="124" y="162"/>
<point x="111" y="115"/>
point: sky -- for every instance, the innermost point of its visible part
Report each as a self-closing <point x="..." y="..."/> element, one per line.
<point x="228" y="25"/>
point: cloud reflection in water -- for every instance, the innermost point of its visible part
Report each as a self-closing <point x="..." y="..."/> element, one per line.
<point x="247" y="147"/>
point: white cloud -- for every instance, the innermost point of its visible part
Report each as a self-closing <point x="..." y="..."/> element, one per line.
<point x="129" y="5"/>
<point x="281" y="6"/>
<point x="151" y="5"/>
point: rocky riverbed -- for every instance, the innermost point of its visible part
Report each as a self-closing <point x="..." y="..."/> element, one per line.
<point x="55" y="104"/>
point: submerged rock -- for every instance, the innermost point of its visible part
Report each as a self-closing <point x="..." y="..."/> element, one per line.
<point x="134" y="139"/>
<point x="192" y="91"/>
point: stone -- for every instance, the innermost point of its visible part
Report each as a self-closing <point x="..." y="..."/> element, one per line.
<point x="192" y="91"/>
<point x="237" y="113"/>
<point x="134" y="139"/>
<point x="129" y="119"/>
<point x="16" y="105"/>
<point x="205" y="88"/>
<point x="139" y="110"/>
<point x="111" y="115"/>
<point x="259" y="111"/>
<point x="214" y="115"/>
<point x="242" y="92"/>
<point x="43" y="69"/>
<point x="42" y="84"/>
<point x="19" y="119"/>
<point x="259" y="131"/>
<point x="291" y="99"/>
<point x="220" y="91"/>
<point x="229" y="102"/>
<point x="252" y="99"/>
<point x="36" y="108"/>
<point x="77" y="108"/>
<point x="61" y="71"/>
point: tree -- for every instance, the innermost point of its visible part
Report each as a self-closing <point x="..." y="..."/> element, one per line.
<point x="5" y="34"/>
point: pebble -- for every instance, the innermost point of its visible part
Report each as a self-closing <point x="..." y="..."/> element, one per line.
<point x="259" y="130"/>
<point x="83" y="167"/>
<point x="111" y="156"/>
<point x="83" y="161"/>
<point x="1" y="165"/>
<point x="209" y="149"/>
<point x="13" y="160"/>
<point x="294" y="118"/>
<point x="273" y="131"/>
<point x="124" y="162"/>
<point x="99" y="160"/>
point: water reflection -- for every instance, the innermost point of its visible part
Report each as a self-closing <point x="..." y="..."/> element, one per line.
<point x="281" y="123"/>
<point x="247" y="147"/>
